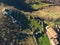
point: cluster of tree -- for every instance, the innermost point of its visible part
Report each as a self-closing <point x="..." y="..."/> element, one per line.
<point x="10" y="32"/>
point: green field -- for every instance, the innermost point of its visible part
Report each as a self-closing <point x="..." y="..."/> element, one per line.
<point x="43" y="40"/>
<point x="35" y="24"/>
<point x="39" y="5"/>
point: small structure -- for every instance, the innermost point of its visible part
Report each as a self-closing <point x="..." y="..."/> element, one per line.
<point x="52" y="32"/>
<point x="52" y="35"/>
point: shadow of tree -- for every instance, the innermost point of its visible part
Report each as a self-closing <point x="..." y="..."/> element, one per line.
<point x="0" y="39"/>
<point x="19" y="4"/>
<point x="22" y="37"/>
<point x="11" y="31"/>
<point x="21" y="19"/>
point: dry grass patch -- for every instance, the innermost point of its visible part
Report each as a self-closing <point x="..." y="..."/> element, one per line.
<point x="51" y="13"/>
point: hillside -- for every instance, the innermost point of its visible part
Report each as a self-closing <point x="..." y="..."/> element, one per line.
<point x="26" y="24"/>
<point x="21" y="32"/>
<point x="52" y="13"/>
